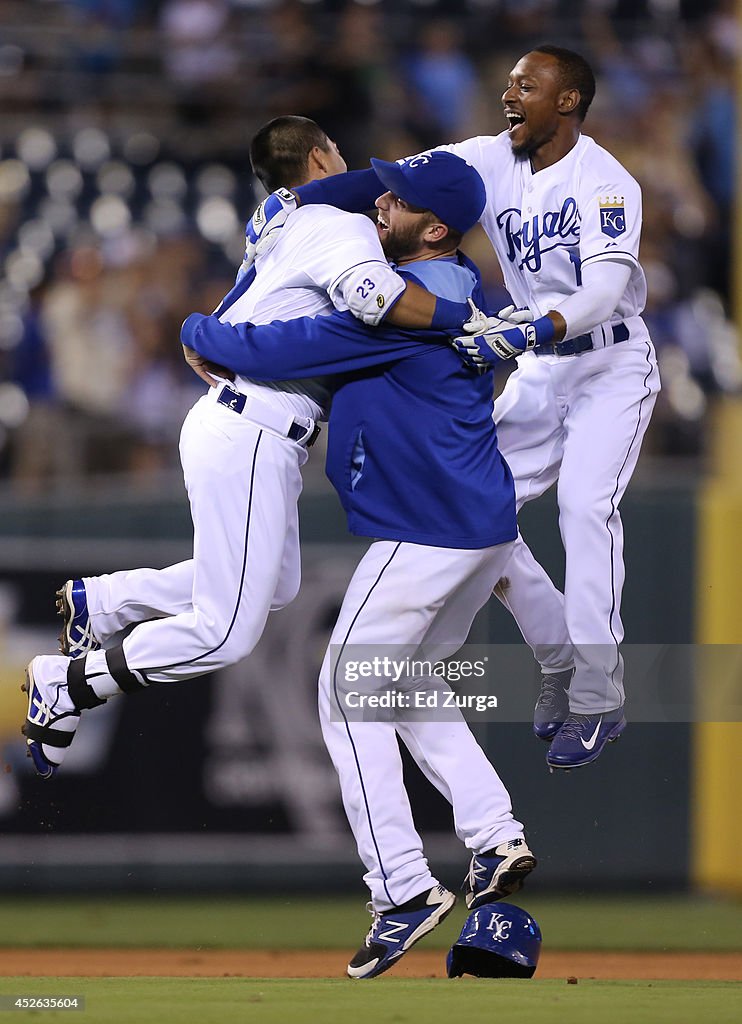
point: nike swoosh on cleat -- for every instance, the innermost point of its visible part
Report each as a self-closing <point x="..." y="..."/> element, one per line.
<point x="591" y="742"/>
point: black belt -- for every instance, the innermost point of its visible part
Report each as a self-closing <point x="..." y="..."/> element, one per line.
<point x="582" y="343"/>
<point x="298" y="431"/>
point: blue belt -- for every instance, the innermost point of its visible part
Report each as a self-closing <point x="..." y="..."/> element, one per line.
<point x="582" y="343"/>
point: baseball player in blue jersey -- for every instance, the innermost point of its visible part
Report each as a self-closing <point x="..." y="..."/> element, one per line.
<point x="413" y="455"/>
<point x="564" y="218"/>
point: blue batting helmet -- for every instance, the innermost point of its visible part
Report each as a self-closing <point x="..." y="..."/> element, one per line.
<point x="498" y="940"/>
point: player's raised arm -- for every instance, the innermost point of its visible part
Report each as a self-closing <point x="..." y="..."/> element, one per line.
<point x="352" y="191"/>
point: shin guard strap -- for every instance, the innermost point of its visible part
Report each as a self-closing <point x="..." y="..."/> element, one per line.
<point x="82" y="694"/>
<point x="45" y="734"/>
<point x="126" y="680"/>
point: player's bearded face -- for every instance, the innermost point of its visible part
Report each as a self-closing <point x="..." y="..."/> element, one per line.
<point x="400" y="227"/>
<point x="401" y="241"/>
<point x="531" y="102"/>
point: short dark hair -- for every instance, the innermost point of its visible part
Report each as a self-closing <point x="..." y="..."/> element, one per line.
<point x="574" y="73"/>
<point x="280" y="149"/>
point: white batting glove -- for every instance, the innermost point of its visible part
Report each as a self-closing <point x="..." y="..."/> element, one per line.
<point x="263" y="227"/>
<point x="479" y="322"/>
<point x="513" y="315"/>
<point x="476" y="324"/>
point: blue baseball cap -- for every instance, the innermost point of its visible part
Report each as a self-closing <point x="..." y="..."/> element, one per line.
<point x="437" y="181"/>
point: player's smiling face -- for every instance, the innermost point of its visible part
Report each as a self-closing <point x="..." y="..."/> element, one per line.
<point x="400" y="227"/>
<point x="532" y="102"/>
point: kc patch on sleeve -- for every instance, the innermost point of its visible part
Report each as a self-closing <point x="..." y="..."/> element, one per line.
<point x="612" y="216"/>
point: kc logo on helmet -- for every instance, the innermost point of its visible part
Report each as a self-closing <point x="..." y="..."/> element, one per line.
<point x="612" y="216"/>
<point x="500" y="925"/>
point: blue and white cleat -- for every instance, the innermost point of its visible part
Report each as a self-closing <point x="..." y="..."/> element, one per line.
<point x="77" y="637"/>
<point x="582" y="738"/>
<point x="498" y="872"/>
<point x="552" y="706"/>
<point x="395" y="931"/>
<point x="48" y="731"/>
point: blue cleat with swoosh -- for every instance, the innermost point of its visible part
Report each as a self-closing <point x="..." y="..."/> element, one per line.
<point x="582" y="738"/>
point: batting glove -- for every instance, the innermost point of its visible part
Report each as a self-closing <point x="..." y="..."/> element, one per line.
<point x="513" y="315"/>
<point x="262" y="229"/>
<point x="477" y="323"/>
<point x="502" y="339"/>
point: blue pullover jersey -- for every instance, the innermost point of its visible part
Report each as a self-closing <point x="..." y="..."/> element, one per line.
<point x="412" y="449"/>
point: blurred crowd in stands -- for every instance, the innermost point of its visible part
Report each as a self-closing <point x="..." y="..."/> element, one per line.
<point x="125" y="182"/>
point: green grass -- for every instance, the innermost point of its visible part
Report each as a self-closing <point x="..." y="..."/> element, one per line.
<point x="397" y="1001"/>
<point x="672" y="923"/>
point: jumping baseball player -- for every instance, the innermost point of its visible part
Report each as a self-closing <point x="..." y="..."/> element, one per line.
<point x="413" y="455"/>
<point x="242" y="449"/>
<point x="564" y="218"/>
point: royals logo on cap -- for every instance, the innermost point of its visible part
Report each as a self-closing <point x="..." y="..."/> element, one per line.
<point x="612" y="216"/>
<point x="439" y="181"/>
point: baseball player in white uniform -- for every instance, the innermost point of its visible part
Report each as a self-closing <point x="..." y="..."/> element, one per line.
<point x="242" y="447"/>
<point x="564" y="218"/>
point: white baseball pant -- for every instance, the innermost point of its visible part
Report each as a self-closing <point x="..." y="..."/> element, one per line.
<point x="243" y="482"/>
<point x="403" y="597"/>
<point x="580" y="421"/>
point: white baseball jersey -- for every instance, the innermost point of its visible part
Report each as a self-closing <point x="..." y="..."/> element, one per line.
<point x="545" y="226"/>
<point x="243" y="478"/>
<point x="308" y="272"/>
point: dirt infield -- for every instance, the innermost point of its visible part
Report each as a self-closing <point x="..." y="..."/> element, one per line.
<point x="115" y="963"/>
